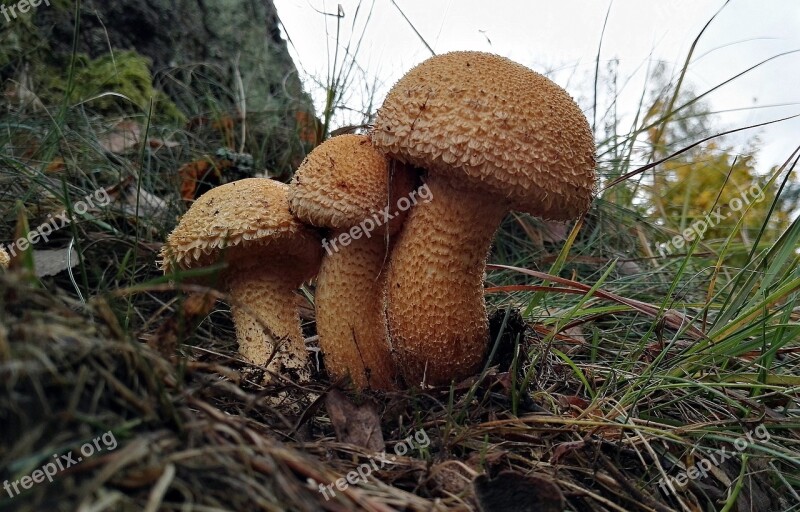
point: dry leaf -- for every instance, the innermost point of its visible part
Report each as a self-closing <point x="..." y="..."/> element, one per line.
<point x="176" y="328"/>
<point x="629" y="268"/>
<point x="576" y="333"/>
<point x="56" y="165"/>
<point x="193" y="174"/>
<point x="355" y="424"/>
<point x="54" y="261"/>
<point x="570" y="401"/>
<point x="124" y="136"/>
<point x="451" y="476"/>
<point x="147" y="204"/>
<point x="555" y="232"/>
<point x="563" y="449"/>
<point x="156" y="143"/>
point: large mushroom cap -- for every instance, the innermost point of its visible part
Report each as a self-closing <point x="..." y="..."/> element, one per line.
<point x="345" y="180"/>
<point x="239" y="216"/>
<point x="493" y="124"/>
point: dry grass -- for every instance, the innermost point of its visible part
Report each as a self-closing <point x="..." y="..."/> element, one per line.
<point x="195" y="432"/>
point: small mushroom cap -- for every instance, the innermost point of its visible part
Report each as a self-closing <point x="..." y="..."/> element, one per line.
<point x="344" y="181"/>
<point x="490" y="123"/>
<point x="5" y="259"/>
<point x="247" y="219"/>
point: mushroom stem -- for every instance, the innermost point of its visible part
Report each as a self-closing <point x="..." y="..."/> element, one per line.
<point x="436" y="310"/>
<point x="353" y="333"/>
<point x="265" y="312"/>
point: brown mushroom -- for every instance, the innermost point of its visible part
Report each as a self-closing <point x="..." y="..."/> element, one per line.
<point x="493" y="136"/>
<point x="342" y="185"/>
<point x="269" y="254"/>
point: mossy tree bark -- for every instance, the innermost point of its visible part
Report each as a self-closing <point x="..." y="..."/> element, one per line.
<point x="201" y="54"/>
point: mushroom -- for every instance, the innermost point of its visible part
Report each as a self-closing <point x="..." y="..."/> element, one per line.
<point x="342" y="185"/>
<point x="494" y="136"/>
<point x="5" y="259"/>
<point x="269" y="254"/>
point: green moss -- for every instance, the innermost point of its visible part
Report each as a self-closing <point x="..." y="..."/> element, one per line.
<point x="112" y="83"/>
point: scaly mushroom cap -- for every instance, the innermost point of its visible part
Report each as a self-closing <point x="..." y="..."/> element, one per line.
<point x="484" y="120"/>
<point x="238" y="220"/>
<point x="5" y="259"/>
<point x="345" y="180"/>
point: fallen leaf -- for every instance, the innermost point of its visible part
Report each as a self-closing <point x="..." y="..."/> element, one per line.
<point x="142" y="203"/>
<point x="555" y="232"/>
<point x="50" y="262"/>
<point x="225" y="126"/>
<point x="563" y="449"/>
<point x="629" y="268"/>
<point x="55" y="165"/>
<point x="570" y="401"/>
<point x="130" y="197"/>
<point x="490" y="461"/>
<point x="124" y="136"/>
<point x="510" y="491"/>
<point x="548" y="231"/>
<point x="575" y="333"/>
<point x="451" y="476"/>
<point x="179" y="327"/>
<point x="193" y="174"/>
<point x="355" y="424"/>
<point x="156" y="143"/>
<point x="309" y="128"/>
<point x="224" y="166"/>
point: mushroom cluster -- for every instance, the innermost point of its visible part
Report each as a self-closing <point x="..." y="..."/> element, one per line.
<point x="401" y="300"/>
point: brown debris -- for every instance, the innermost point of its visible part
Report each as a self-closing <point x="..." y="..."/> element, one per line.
<point x="355" y="424"/>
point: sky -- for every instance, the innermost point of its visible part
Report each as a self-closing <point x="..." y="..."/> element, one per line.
<point x="561" y="40"/>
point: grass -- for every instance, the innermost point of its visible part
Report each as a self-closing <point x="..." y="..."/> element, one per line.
<point x="613" y="369"/>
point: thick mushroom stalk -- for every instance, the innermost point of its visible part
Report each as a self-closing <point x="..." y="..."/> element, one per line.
<point x="351" y="318"/>
<point x="264" y="309"/>
<point x="493" y="136"/>
<point x="439" y="262"/>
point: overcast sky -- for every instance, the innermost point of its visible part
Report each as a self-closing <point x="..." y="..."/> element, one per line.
<point x="561" y="39"/>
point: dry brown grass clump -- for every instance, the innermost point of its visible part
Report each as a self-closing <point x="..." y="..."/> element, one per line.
<point x="192" y="431"/>
<point x="187" y="433"/>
